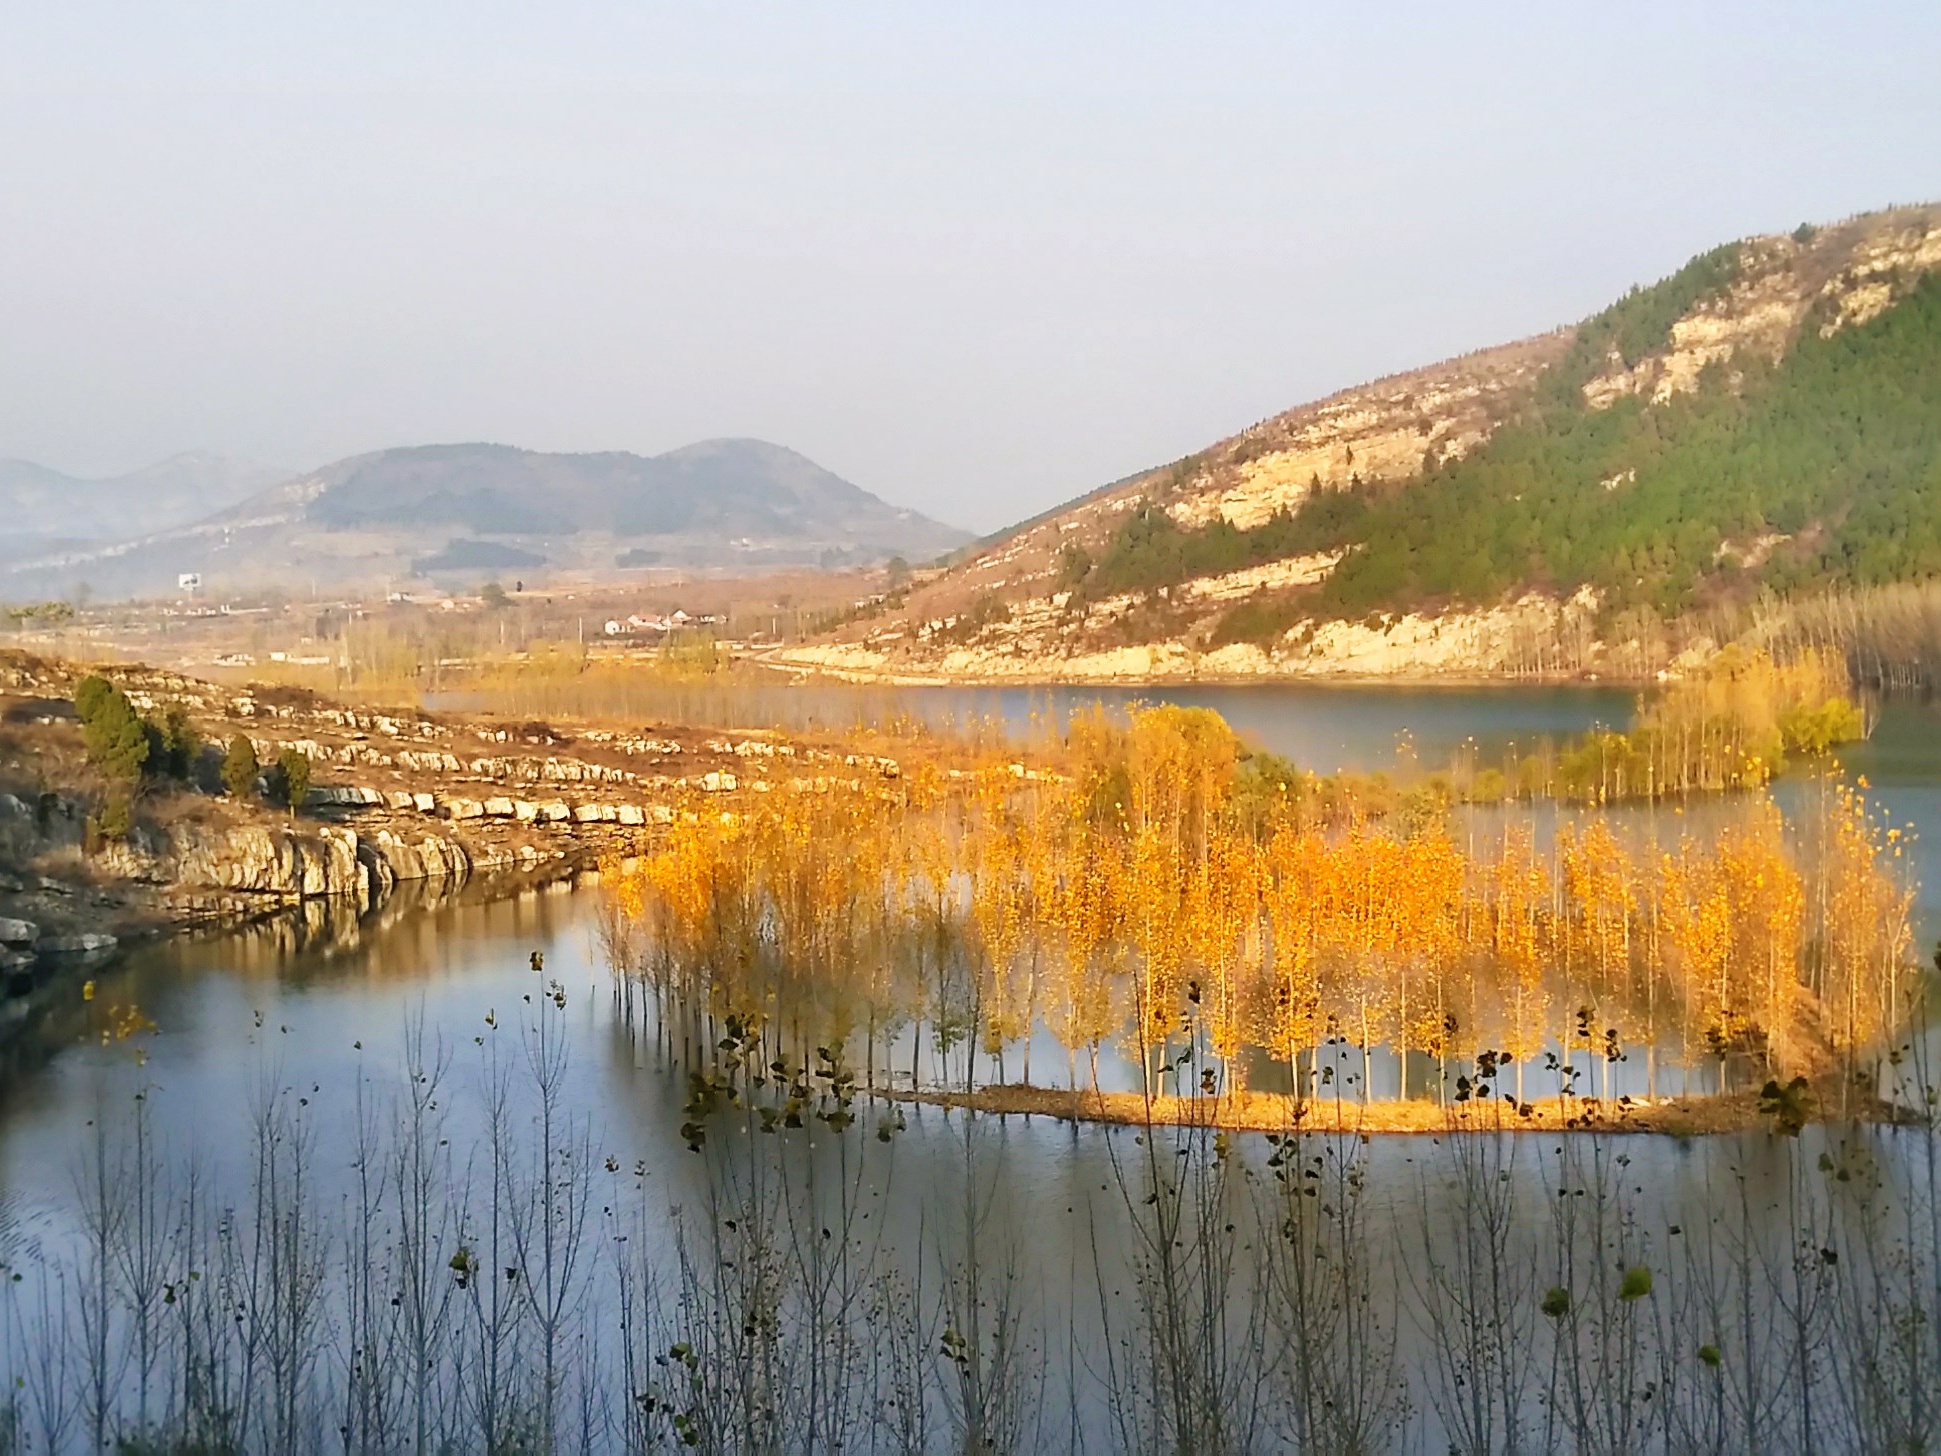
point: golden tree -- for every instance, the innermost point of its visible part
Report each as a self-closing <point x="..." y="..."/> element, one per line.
<point x="1516" y="892"/>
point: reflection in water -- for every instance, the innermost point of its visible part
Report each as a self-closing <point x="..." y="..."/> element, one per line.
<point x="323" y="1203"/>
<point x="396" y="1183"/>
<point x="1166" y="894"/>
<point x="1323" y="727"/>
<point x="371" y="1249"/>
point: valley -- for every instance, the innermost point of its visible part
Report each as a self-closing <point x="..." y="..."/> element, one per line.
<point x="970" y="731"/>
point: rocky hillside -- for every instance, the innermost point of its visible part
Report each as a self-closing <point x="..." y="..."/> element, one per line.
<point x="461" y="514"/>
<point x="398" y="797"/>
<point x="1768" y="418"/>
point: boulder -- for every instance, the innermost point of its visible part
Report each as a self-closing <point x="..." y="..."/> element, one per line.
<point x="498" y="808"/>
<point x="18" y="932"/>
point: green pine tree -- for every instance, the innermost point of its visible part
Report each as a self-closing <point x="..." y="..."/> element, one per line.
<point x="240" y="768"/>
<point x="293" y="771"/>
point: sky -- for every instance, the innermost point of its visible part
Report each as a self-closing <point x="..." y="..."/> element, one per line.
<point x="978" y="259"/>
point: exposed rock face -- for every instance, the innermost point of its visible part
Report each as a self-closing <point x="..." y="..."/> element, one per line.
<point x="1852" y="273"/>
<point x="1534" y="635"/>
<point x="426" y="815"/>
<point x="1005" y="612"/>
<point x="1379" y="432"/>
<point x="308" y="863"/>
<point x="432" y="857"/>
<point x="276" y="862"/>
<point x="28" y="953"/>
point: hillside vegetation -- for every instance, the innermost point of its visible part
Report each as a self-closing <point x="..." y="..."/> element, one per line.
<point x="1836" y="448"/>
<point x="1763" y="423"/>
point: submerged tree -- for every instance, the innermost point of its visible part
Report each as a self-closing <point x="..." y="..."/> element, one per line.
<point x="1156" y="891"/>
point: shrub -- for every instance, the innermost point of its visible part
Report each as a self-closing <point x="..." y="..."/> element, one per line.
<point x="692" y="651"/>
<point x="293" y="774"/>
<point x="113" y="820"/>
<point x="116" y="737"/>
<point x="89" y="694"/>
<point x="1490" y="787"/>
<point x="239" y="767"/>
<point x="174" y="745"/>
<point x="1262" y="621"/>
<point x="1817" y="730"/>
<point x="1074" y="565"/>
<point x="987" y="609"/>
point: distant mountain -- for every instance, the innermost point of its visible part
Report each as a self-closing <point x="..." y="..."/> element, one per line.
<point x="1765" y="421"/>
<point x="45" y="508"/>
<point x="459" y="513"/>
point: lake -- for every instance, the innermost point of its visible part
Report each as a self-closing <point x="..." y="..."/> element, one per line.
<point x="1026" y="1278"/>
<point x="1324" y="727"/>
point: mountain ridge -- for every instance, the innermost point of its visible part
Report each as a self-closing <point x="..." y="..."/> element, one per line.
<point x="407" y="512"/>
<point x="44" y="506"/>
<point x="1475" y="515"/>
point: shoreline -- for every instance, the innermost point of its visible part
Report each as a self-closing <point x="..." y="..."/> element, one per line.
<point x="890" y="678"/>
<point x="42" y="972"/>
<point x="1274" y="1112"/>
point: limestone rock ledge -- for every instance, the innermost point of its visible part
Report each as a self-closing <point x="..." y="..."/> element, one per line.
<point x="300" y="862"/>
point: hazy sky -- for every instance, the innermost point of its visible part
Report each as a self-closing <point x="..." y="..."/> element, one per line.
<point x="976" y="258"/>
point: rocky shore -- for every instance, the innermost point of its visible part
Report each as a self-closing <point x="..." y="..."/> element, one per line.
<point x="399" y="798"/>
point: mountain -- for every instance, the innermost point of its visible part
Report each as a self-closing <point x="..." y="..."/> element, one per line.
<point x="1765" y="422"/>
<point x="46" y="509"/>
<point x="459" y="513"/>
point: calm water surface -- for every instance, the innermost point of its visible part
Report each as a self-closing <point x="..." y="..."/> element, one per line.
<point x="253" y="1019"/>
<point x="453" y="964"/>
<point x="322" y="1015"/>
